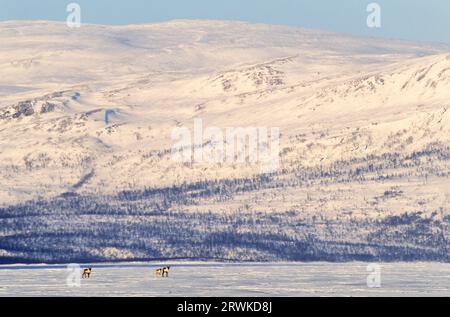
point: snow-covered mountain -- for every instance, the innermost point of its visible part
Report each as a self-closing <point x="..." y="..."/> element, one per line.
<point x="364" y="122"/>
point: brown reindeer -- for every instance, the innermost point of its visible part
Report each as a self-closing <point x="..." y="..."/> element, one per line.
<point x="163" y="272"/>
<point x="86" y="273"/>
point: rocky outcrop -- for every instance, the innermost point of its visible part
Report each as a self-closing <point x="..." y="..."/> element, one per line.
<point x="24" y="108"/>
<point x="47" y="107"/>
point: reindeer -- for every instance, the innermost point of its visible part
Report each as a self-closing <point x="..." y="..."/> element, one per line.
<point x="163" y="272"/>
<point x="86" y="273"/>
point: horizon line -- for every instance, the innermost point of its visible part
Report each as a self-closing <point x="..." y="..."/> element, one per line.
<point x="248" y="22"/>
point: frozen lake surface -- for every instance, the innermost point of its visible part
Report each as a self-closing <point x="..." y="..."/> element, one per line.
<point x="212" y="279"/>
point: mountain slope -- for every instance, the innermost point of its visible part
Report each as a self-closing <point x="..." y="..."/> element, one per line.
<point x="86" y="118"/>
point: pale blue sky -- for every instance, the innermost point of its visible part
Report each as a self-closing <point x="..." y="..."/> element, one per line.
<point x="426" y="20"/>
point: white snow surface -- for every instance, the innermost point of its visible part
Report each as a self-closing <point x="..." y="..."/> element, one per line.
<point x="231" y="280"/>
